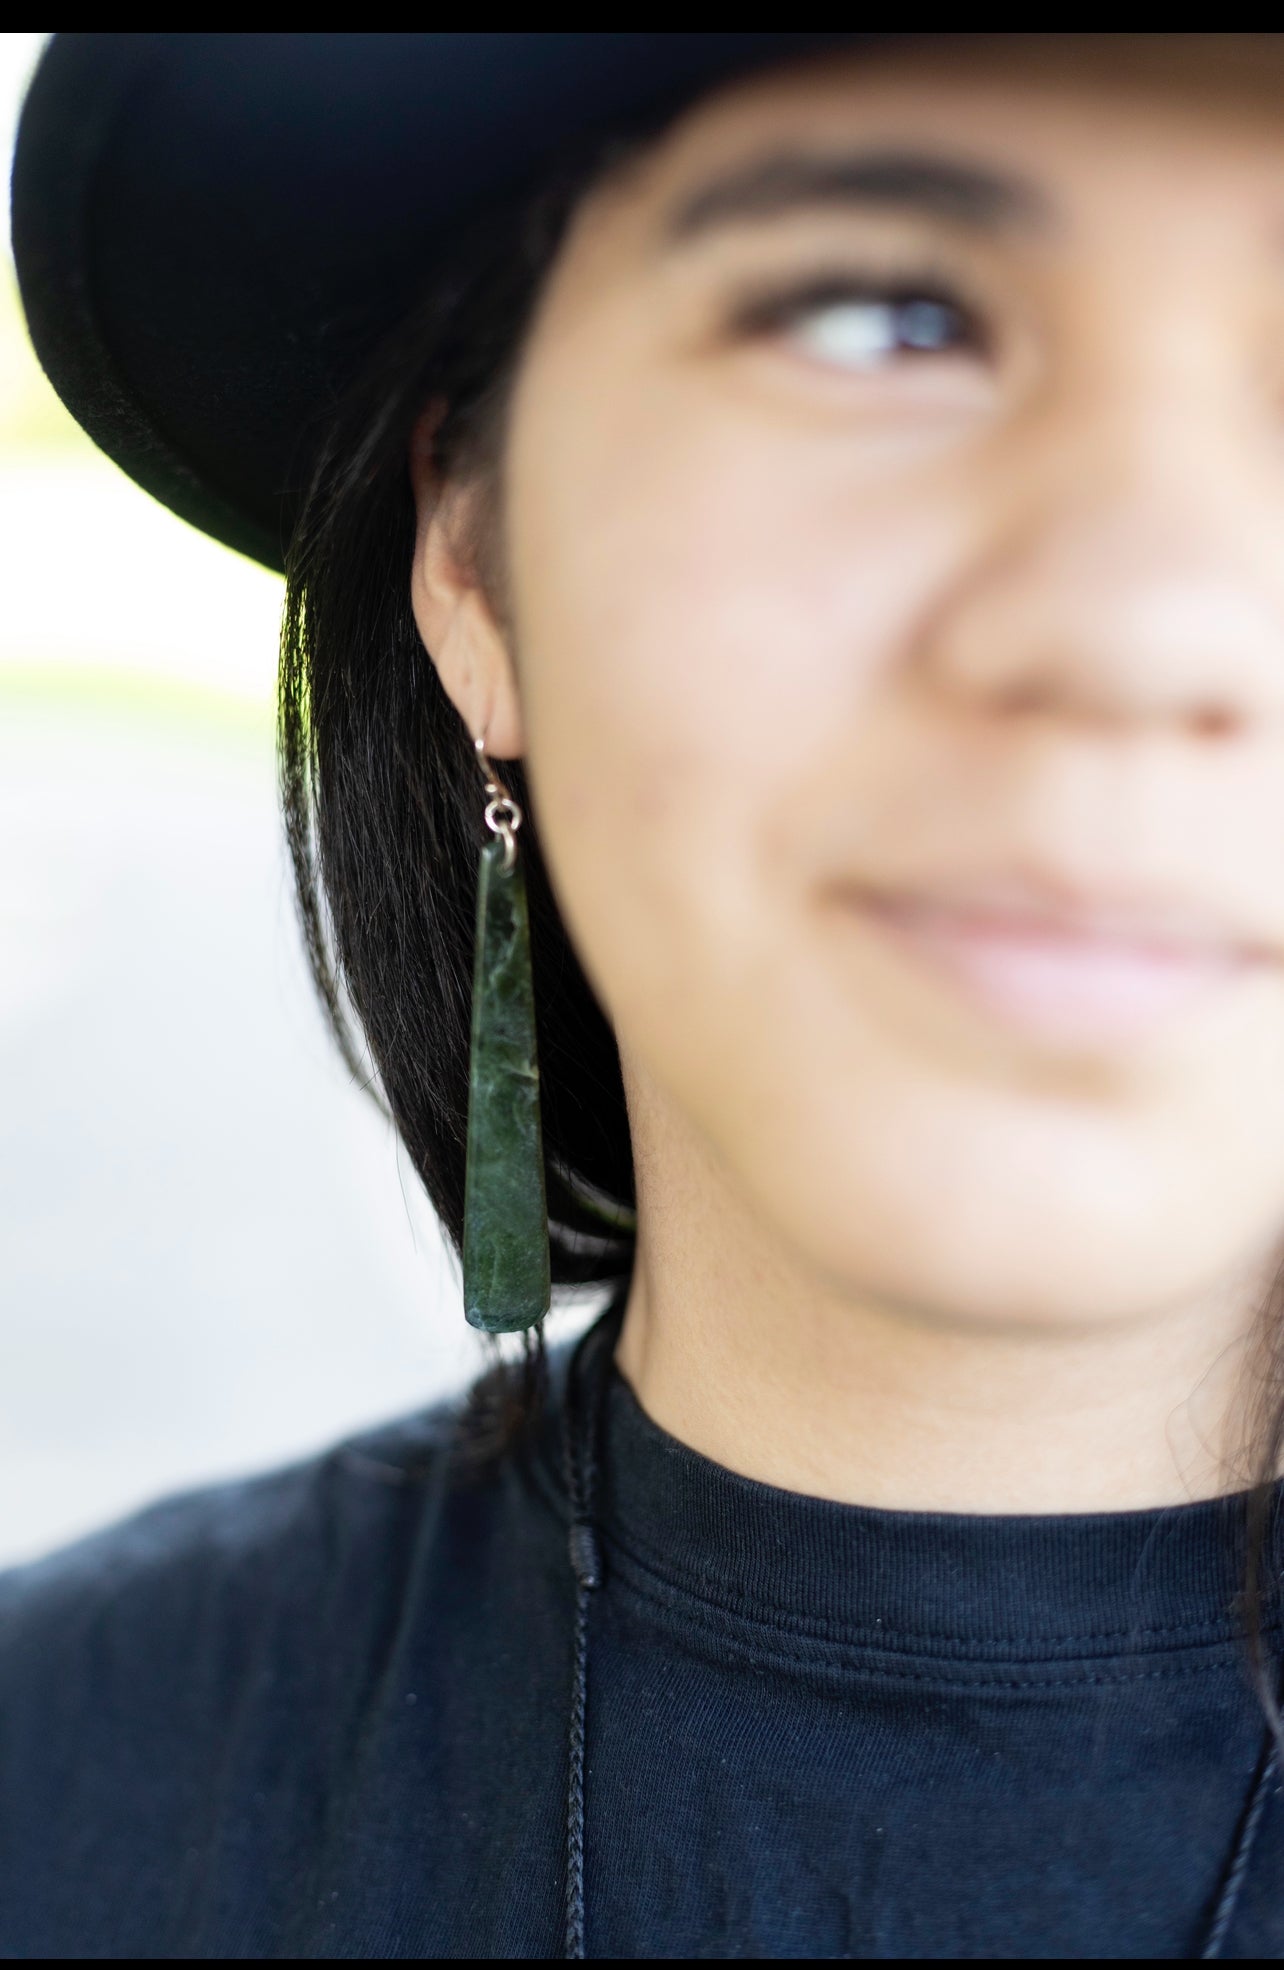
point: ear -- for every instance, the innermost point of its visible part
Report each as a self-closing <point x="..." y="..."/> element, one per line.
<point x="455" y="618"/>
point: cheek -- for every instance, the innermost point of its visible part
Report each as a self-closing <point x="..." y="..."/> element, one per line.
<point x="704" y="619"/>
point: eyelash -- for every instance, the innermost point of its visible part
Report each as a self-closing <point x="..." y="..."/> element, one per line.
<point x="772" y="311"/>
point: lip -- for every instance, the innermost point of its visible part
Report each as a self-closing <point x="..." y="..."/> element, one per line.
<point x="1070" y="971"/>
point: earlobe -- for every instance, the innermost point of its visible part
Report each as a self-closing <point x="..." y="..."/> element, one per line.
<point x="453" y="614"/>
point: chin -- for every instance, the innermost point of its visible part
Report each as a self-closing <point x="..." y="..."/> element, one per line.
<point x="1010" y="1254"/>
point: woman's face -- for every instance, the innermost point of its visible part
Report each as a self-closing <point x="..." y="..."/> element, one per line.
<point x="894" y="520"/>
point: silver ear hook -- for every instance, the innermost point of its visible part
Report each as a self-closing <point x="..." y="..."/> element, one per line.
<point x="503" y="815"/>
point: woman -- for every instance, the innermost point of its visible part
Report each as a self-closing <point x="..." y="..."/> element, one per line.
<point x="812" y="510"/>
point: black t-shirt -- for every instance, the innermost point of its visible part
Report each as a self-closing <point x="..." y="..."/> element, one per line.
<point x="325" y="1713"/>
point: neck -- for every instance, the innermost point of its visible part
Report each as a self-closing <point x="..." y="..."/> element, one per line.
<point x="732" y="1345"/>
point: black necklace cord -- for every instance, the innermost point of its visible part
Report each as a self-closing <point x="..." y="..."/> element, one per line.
<point x="1265" y="1781"/>
<point x="581" y="1437"/>
<point x="1242" y="1852"/>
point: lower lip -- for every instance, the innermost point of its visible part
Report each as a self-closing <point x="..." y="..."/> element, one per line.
<point x="1056" y="986"/>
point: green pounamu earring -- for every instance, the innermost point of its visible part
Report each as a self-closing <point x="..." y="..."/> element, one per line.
<point x="506" y="1261"/>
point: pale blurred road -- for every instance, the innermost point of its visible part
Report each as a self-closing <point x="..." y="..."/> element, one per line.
<point x="209" y="1257"/>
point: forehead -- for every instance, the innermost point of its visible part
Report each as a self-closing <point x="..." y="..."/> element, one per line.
<point x="1072" y="106"/>
<point x="1235" y="81"/>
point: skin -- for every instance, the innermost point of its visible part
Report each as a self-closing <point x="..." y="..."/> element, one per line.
<point x="779" y="625"/>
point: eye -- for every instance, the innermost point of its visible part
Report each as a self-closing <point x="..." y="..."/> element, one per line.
<point x="863" y="333"/>
<point x="864" y="326"/>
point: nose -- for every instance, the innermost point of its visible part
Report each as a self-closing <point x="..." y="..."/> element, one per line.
<point x="1125" y="591"/>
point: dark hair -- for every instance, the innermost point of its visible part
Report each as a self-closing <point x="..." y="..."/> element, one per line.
<point x="383" y="814"/>
<point x="382" y="797"/>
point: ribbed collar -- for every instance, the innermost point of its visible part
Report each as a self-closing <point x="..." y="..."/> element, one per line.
<point x="1021" y="1588"/>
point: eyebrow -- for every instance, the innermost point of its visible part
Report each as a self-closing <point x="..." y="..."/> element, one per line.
<point x="792" y="181"/>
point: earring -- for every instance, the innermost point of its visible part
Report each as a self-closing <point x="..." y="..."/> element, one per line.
<point x="506" y="1258"/>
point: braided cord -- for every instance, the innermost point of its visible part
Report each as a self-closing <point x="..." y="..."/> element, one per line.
<point x="575" y="1783"/>
<point x="586" y="1564"/>
<point x="1242" y="1853"/>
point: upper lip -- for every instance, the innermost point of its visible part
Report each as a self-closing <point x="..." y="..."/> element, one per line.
<point x="1022" y="901"/>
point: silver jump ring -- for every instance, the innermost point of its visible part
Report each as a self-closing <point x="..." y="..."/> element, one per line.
<point x="503" y="815"/>
<point x="503" y="818"/>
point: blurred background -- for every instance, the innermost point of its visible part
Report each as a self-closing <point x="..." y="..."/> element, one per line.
<point x="212" y="1257"/>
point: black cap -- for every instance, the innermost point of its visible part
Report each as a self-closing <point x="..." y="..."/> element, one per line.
<point x="213" y="231"/>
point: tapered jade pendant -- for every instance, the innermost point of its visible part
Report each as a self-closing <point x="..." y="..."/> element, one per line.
<point x="506" y="1264"/>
